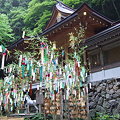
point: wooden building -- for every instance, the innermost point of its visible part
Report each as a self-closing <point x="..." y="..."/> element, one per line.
<point x="97" y="28"/>
<point x="101" y="34"/>
<point x="103" y="53"/>
<point x="84" y="16"/>
<point x="65" y="20"/>
<point x="102" y="37"/>
<point x="104" y="62"/>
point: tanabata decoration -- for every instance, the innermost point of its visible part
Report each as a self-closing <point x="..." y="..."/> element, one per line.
<point x="52" y="76"/>
<point x="4" y="51"/>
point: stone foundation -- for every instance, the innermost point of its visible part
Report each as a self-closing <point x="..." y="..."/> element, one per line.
<point x="104" y="97"/>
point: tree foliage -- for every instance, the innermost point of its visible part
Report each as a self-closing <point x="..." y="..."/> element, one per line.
<point x="17" y="21"/>
<point x="6" y="36"/>
<point x="109" y="8"/>
<point x="39" y="11"/>
<point x="15" y="10"/>
<point x="32" y="15"/>
<point x="73" y="3"/>
<point x="38" y="14"/>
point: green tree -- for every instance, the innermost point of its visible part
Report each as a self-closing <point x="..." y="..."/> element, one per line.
<point x="16" y="17"/>
<point x="32" y="15"/>
<point x="15" y="10"/>
<point x="72" y="3"/>
<point x="6" y="36"/>
<point x="38" y="14"/>
<point x="7" y="5"/>
<point x="109" y="8"/>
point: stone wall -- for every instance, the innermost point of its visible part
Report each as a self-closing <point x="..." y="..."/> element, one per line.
<point x="104" y="97"/>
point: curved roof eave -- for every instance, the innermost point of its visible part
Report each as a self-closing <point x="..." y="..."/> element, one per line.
<point x="102" y="34"/>
<point x="61" y="7"/>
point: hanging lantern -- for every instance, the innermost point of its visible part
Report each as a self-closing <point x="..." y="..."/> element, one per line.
<point x="84" y="13"/>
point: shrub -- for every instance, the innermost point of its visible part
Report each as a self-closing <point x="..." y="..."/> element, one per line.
<point x="102" y="116"/>
<point x="39" y="117"/>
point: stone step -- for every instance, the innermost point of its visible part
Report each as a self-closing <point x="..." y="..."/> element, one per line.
<point x="10" y="118"/>
<point x="21" y="115"/>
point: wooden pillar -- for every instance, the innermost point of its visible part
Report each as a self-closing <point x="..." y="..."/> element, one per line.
<point x="54" y="115"/>
<point x="67" y="105"/>
<point x="40" y="108"/>
<point x="66" y="52"/>
<point x="61" y="105"/>
<point x="85" y="58"/>
<point x="101" y="57"/>
<point x="87" y="102"/>
<point x="28" y="109"/>
<point x="87" y="94"/>
<point x="39" y="99"/>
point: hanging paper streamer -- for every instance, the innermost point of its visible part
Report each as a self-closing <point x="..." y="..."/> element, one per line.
<point x="52" y="55"/>
<point x="23" y="67"/>
<point x="23" y="61"/>
<point x="23" y="71"/>
<point x="81" y="83"/>
<point x="63" y="53"/>
<point x="42" y="55"/>
<point x="29" y="67"/>
<point x="41" y="73"/>
<point x="54" y="46"/>
<point x="54" y="77"/>
<point x="4" y="52"/>
<point x="83" y="74"/>
<point x="20" y="60"/>
<point x="1" y="48"/>
<point x="90" y="85"/>
<point x="33" y="74"/>
<point x="3" y="60"/>
<point x="45" y="55"/>
<point x="42" y="52"/>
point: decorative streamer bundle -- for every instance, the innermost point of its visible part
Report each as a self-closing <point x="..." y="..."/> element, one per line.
<point x="54" y="77"/>
<point x="4" y="51"/>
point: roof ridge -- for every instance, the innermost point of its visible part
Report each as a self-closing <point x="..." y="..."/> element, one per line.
<point x="60" y="2"/>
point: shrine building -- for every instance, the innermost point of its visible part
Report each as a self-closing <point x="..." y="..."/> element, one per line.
<point x="102" y="55"/>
